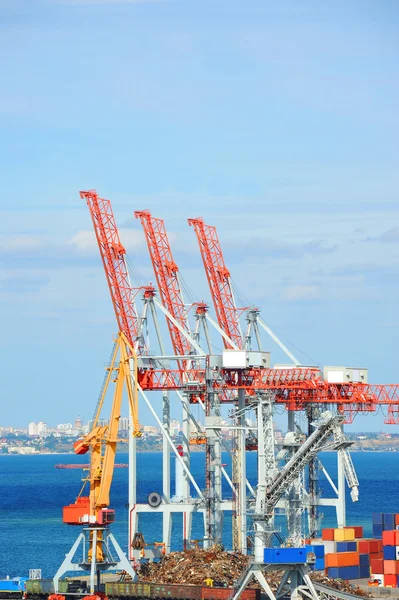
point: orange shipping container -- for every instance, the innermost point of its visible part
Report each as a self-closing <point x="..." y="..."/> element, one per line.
<point x="342" y="559"/>
<point x="327" y="534"/>
<point x="391" y="567"/>
<point x="396" y="519"/>
<point x="390" y="538"/>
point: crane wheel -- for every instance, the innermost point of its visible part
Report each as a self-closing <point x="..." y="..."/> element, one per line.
<point x="154" y="499"/>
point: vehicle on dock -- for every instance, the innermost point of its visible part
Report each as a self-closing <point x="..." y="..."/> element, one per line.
<point x="12" y="587"/>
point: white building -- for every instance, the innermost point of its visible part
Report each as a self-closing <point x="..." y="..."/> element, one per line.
<point x="124" y="424"/>
<point x="42" y="429"/>
<point x="32" y="429"/>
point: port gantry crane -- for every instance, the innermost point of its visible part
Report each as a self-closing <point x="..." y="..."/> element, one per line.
<point x="220" y="286"/>
<point x="167" y="276"/>
<point x="100" y="550"/>
<point x="293" y="387"/>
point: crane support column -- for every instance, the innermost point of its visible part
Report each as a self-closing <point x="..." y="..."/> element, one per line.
<point x="240" y="479"/>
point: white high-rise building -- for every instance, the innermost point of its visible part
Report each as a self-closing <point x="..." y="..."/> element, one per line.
<point x="42" y="429"/>
<point x="124" y="424"/>
<point x="32" y="429"/>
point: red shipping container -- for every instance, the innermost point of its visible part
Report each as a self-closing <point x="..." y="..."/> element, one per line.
<point x="390" y="581"/>
<point x="363" y="546"/>
<point x="374" y="546"/>
<point x="389" y="538"/>
<point x="358" y="530"/>
<point x="377" y="565"/>
<point x="396" y="519"/>
<point x="391" y="567"/>
<point x="327" y="535"/>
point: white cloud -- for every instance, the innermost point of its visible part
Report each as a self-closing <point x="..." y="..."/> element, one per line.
<point x="302" y="292"/>
<point x="85" y="240"/>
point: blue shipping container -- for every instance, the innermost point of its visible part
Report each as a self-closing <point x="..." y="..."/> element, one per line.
<point x="285" y="555"/>
<point x="377" y="531"/>
<point x="388" y="521"/>
<point x="346" y="546"/>
<point x="319" y="564"/>
<point x="317" y="550"/>
<point x="389" y="552"/>
<point x="364" y="560"/>
<point x="364" y="572"/>
<point x="377" y="518"/>
<point x="344" y="572"/>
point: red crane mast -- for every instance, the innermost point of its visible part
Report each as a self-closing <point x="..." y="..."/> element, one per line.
<point x="219" y="281"/>
<point x="113" y="256"/>
<point x="166" y="273"/>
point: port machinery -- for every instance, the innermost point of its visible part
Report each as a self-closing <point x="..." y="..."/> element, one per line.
<point x="96" y="550"/>
<point x="239" y="377"/>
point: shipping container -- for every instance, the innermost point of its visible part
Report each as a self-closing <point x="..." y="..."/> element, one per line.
<point x="391" y="580"/>
<point x="376" y="518"/>
<point x="391" y="567"/>
<point x="377" y="530"/>
<point x="318" y="550"/>
<point x="342" y="559"/>
<point x="389" y="552"/>
<point x="390" y="538"/>
<point x="377" y="565"/>
<point x="327" y="535"/>
<point x="364" y="572"/>
<point x="358" y="530"/>
<point x="364" y="560"/>
<point x="346" y="546"/>
<point x="388" y="521"/>
<point x="343" y="572"/>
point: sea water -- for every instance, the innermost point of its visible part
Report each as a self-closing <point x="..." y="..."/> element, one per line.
<point x="33" y="492"/>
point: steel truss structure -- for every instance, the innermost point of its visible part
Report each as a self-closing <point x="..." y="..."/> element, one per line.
<point x="199" y="377"/>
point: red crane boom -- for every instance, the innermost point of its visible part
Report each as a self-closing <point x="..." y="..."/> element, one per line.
<point x="166" y="273"/>
<point x="219" y="281"/>
<point x="113" y="256"/>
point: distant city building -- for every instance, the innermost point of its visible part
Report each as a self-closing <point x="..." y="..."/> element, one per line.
<point x="150" y="430"/>
<point x="32" y="429"/>
<point x="42" y="429"/>
<point x="78" y="424"/>
<point x="124" y="424"/>
<point x="65" y="428"/>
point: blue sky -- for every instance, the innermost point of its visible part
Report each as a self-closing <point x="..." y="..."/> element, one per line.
<point x="276" y="122"/>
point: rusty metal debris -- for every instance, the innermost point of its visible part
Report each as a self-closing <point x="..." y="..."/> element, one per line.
<point x="225" y="568"/>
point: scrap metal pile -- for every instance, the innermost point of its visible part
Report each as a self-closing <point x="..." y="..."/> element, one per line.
<point x="225" y="568"/>
<point x="194" y="566"/>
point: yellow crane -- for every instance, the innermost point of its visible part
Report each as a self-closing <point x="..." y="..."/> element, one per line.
<point x="92" y="511"/>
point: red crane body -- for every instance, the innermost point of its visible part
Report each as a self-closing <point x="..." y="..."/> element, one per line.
<point x="219" y="281"/>
<point x="113" y="256"/>
<point x="166" y="271"/>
